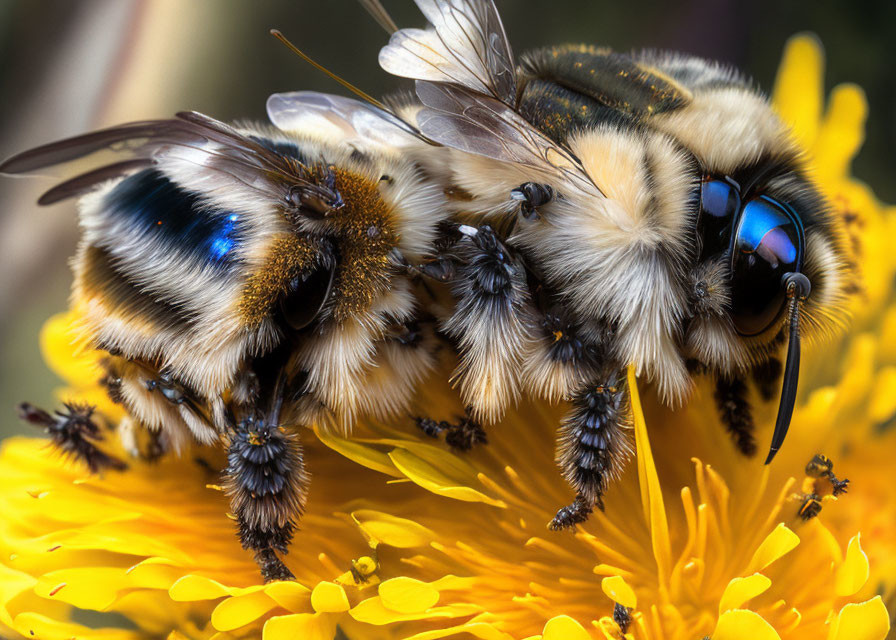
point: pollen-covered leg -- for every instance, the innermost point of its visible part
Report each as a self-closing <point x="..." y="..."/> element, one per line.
<point x="735" y="413"/>
<point x="592" y="446"/>
<point x="75" y="433"/>
<point x="820" y="466"/>
<point x="266" y="481"/>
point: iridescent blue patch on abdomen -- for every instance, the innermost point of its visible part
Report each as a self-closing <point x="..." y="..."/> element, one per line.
<point x="151" y="206"/>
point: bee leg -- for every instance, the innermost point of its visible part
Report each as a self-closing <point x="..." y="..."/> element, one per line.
<point x="430" y="427"/>
<point x="767" y="376"/>
<point x="462" y="436"/>
<point x="591" y="445"/>
<point x="811" y="506"/>
<point x="735" y="413"/>
<point x="266" y="481"/>
<point x="74" y="432"/>
<point x="531" y="195"/>
<point x="490" y="322"/>
<point x="622" y="616"/>
<point x="823" y="467"/>
<point x="465" y="434"/>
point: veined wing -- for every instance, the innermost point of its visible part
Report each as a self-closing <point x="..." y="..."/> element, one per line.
<point x="346" y="118"/>
<point x="475" y="123"/>
<point x="465" y="45"/>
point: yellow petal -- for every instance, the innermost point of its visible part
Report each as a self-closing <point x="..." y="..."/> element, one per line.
<point x="618" y="591"/>
<point x="66" y="354"/>
<point x="863" y="621"/>
<point x="853" y="573"/>
<point x="290" y="595"/>
<point x="883" y="396"/>
<point x="238" y="611"/>
<point x="798" y="88"/>
<point x="307" y="626"/>
<point x="778" y="543"/>
<point x="476" y="629"/>
<point x="740" y="624"/>
<point x="564" y="628"/>
<point x="842" y="131"/>
<point x="740" y="590"/>
<point x="651" y="492"/>
<point x="190" y="588"/>
<point x="373" y="611"/>
<point x="424" y="473"/>
<point x="94" y="588"/>
<point x="365" y="454"/>
<point x="407" y="595"/>
<point x="34" y="625"/>
<point x="328" y="597"/>
<point x="397" y="532"/>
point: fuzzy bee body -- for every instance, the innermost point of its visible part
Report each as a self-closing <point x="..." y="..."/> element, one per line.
<point x="586" y="211"/>
<point x="247" y="280"/>
<point x="675" y="228"/>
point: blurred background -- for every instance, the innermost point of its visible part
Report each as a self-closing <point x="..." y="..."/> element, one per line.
<point x="69" y="66"/>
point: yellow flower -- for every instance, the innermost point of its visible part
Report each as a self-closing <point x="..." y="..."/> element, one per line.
<point x="406" y="539"/>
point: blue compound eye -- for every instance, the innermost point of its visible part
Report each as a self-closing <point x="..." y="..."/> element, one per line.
<point x="768" y="242"/>
<point x="719" y="203"/>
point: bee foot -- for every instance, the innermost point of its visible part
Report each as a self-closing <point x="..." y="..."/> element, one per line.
<point x="569" y="516"/>
<point x="839" y="487"/>
<point x="272" y="568"/>
<point x="74" y="432"/>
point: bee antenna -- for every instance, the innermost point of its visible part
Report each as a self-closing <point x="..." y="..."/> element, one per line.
<point x="345" y="83"/>
<point x="376" y="9"/>
<point x="798" y="287"/>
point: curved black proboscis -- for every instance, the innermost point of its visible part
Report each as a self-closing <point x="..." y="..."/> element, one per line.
<point x="798" y="288"/>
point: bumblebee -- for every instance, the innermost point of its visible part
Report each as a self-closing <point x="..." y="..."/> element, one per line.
<point x="246" y="280"/>
<point x="654" y="211"/>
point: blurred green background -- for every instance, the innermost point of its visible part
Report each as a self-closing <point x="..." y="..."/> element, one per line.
<point x="69" y="66"/>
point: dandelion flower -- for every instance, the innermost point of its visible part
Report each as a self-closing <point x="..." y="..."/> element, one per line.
<point x="406" y="539"/>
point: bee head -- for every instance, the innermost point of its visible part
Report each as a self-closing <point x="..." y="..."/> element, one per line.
<point x="759" y="218"/>
<point x="771" y="259"/>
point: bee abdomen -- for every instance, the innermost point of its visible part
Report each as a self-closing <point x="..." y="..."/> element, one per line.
<point x="265" y="479"/>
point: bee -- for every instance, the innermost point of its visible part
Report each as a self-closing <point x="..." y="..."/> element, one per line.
<point x="246" y="280"/>
<point x="646" y="209"/>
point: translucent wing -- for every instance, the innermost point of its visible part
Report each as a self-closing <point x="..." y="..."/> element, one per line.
<point x="345" y="118"/>
<point x="465" y="45"/>
<point x="189" y="137"/>
<point x="474" y="123"/>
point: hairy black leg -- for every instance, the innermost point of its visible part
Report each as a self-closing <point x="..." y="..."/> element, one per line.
<point x="622" y="616"/>
<point x="266" y="482"/>
<point x="767" y="377"/>
<point x="462" y="435"/>
<point x="735" y="413"/>
<point x="591" y="446"/>
<point x="74" y="432"/>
